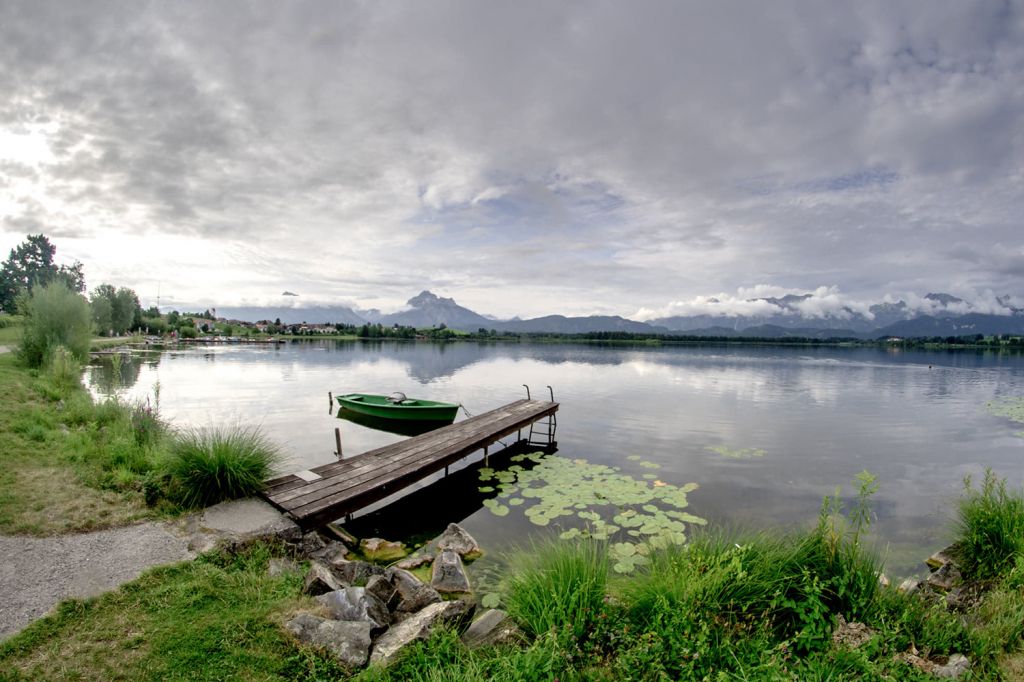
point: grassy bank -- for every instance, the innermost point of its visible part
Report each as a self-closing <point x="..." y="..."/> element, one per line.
<point x="724" y="607"/>
<point x="68" y="463"/>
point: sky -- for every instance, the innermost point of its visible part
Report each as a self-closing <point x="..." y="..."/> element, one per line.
<point x="529" y="158"/>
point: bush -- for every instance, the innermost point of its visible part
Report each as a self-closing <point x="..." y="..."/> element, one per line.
<point x="55" y="316"/>
<point x="63" y="371"/>
<point x="217" y="464"/>
<point x="990" y="529"/>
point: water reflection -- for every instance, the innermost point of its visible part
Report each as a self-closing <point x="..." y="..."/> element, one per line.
<point x="399" y="426"/>
<point x="820" y="416"/>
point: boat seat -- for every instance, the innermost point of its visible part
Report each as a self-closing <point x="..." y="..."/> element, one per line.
<point x="353" y="397"/>
<point x="408" y="402"/>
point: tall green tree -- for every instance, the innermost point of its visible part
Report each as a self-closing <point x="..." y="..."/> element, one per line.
<point x="114" y="311"/>
<point x="30" y="264"/>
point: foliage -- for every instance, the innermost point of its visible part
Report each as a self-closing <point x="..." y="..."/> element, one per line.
<point x="54" y="316"/>
<point x="216" y="464"/>
<point x="115" y="311"/>
<point x="30" y="265"/>
<point x="990" y="528"/>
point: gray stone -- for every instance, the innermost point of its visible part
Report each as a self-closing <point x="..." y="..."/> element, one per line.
<point x="249" y="518"/>
<point x="348" y="641"/>
<point x="320" y="580"/>
<point x="330" y="552"/>
<point x="493" y="628"/>
<point x="377" y="549"/>
<point x="355" y="572"/>
<point x="941" y="558"/>
<point x="456" y="538"/>
<point x="355" y="604"/>
<point x="909" y="586"/>
<point x="418" y="627"/>
<point x="310" y="544"/>
<point x="381" y="588"/>
<point x="415" y="561"/>
<point x="342" y="534"/>
<point x="413" y="595"/>
<point x="945" y="577"/>
<point x="851" y="635"/>
<point x="957" y="665"/>
<point x="278" y="567"/>
<point x="448" y="575"/>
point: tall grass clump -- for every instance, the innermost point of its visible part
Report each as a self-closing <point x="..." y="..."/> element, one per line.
<point x="990" y="528"/>
<point x="559" y="588"/>
<point x="54" y="316"/>
<point x="63" y="371"/>
<point x="207" y="466"/>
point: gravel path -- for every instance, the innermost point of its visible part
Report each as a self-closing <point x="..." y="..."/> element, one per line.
<point x="37" y="573"/>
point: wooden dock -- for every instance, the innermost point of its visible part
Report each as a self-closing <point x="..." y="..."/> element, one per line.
<point x="331" y="491"/>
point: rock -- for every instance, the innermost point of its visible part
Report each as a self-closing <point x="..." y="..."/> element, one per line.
<point x="883" y="580"/>
<point x="418" y="627"/>
<point x="909" y="586"/>
<point x="330" y="552"/>
<point x="457" y="539"/>
<point x="310" y="544"/>
<point x="493" y="628"/>
<point x="851" y="635"/>
<point x="415" y="561"/>
<point x="320" y="580"/>
<point x="945" y="577"/>
<point x="448" y="575"/>
<point x="355" y="604"/>
<point x="348" y="641"/>
<point x="340" y="533"/>
<point x="355" y="572"/>
<point x="381" y="588"/>
<point x="413" y="595"/>
<point x="916" y="661"/>
<point x="377" y="549"/>
<point x="278" y="567"/>
<point x="941" y="558"/>
<point x="957" y="665"/>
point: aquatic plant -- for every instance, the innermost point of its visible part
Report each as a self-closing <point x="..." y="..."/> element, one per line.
<point x="612" y="505"/>
<point x="1011" y="408"/>
<point x="736" y="453"/>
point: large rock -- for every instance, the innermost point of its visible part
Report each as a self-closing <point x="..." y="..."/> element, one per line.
<point x="493" y="628"/>
<point x="941" y="558"/>
<point x="448" y="574"/>
<point x="415" y="561"/>
<point x="330" y="552"/>
<point x="418" y="627"/>
<point x="355" y="572"/>
<point x="310" y="544"/>
<point x="382" y="588"/>
<point x="249" y="518"/>
<point x="355" y="604"/>
<point x="376" y="549"/>
<point x="320" y="580"/>
<point x="457" y="539"/>
<point x="348" y="641"/>
<point x="945" y="577"/>
<point x="413" y="595"/>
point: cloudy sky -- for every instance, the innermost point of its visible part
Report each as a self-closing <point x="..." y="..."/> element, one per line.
<point x="524" y="158"/>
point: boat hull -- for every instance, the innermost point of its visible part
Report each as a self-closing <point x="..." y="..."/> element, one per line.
<point x="407" y="410"/>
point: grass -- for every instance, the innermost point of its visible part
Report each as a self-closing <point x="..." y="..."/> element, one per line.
<point x="211" y="465"/>
<point x="214" y="618"/>
<point x="990" y="527"/>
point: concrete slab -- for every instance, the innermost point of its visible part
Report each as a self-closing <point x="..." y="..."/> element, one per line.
<point x="251" y="516"/>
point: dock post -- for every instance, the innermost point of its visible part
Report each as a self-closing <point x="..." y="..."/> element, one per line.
<point x="485" y="456"/>
<point x="330" y="402"/>
<point x="337" y="440"/>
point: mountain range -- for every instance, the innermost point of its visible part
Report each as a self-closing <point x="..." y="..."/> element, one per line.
<point x="779" y="317"/>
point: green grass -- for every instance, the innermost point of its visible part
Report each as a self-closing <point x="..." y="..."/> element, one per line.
<point x="211" y="465"/>
<point x="216" y="618"/>
<point x="990" y="528"/>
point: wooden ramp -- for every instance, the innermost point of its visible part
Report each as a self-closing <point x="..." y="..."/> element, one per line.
<point x="331" y="491"/>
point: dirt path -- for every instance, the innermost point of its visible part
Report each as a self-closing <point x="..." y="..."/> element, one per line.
<point x="37" y="573"/>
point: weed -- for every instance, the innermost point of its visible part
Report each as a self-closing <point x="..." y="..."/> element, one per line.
<point x="990" y="528"/>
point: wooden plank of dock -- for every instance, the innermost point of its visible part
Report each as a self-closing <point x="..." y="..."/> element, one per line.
<point x="348" y="485"/>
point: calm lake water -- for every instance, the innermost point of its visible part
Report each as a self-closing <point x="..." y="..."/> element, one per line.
<point x="807" y="419"/>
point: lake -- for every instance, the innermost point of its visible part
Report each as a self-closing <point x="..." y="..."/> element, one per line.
<point x="764" y="432"/>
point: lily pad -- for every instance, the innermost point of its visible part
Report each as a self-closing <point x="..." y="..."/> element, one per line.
<point x="491" y="600"/>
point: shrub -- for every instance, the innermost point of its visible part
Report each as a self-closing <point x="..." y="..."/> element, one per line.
<point x="212" y="465"/>
<point x="990" y="528"/>
<point x="63" y="371"/>
<point x="54" y="316"/>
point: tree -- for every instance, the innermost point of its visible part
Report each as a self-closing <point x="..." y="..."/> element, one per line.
<point x="29" y="265"/>
<point x="55" y="316"/>
<point x="115" y="310"/>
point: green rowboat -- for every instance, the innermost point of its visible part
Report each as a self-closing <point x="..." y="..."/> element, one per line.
<point x="397" y="406"/>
